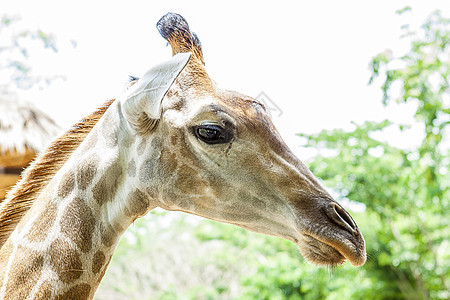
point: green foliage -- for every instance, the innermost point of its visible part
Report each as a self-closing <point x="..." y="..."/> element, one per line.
<point x="405" y="190"/>
<point x="161" y="257"/>
<point x="409" y="218"/>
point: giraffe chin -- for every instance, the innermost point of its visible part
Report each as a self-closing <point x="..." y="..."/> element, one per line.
<point x="330" y="253"/>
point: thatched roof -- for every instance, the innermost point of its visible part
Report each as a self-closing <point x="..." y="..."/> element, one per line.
<point x="23" y="127"/>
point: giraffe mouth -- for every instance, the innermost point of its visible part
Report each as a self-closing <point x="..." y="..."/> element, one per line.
<point x="334" y="250"/>
<point x="331" y="237"/>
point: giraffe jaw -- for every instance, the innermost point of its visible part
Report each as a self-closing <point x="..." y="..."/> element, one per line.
<point x="321" y="246"/>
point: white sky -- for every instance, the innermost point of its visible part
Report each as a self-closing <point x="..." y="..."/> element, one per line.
<point x="310" y="57"/>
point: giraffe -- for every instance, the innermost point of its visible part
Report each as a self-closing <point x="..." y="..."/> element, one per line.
<point x="173" y="140"/>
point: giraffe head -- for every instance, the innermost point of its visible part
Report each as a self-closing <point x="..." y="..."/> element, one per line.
<point x="216" y="154"/>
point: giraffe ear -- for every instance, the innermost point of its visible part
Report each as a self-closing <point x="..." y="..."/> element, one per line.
<point x="141" y="103"/>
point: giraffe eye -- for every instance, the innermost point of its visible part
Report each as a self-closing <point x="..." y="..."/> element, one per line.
<point x="212" y="134"/>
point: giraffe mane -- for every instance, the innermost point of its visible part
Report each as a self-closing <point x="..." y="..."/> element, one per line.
<point x="34" y="179"/>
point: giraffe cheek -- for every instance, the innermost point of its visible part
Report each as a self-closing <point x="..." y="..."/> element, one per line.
<point x="147" y="171"/>
<point x="168" y="164"/>
<point x="189" y="181"/>
<point x="155" y="173"/>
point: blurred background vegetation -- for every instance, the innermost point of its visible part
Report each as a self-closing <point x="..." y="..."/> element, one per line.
<point x="404" y="193"/>
<point x="15" y="43"/>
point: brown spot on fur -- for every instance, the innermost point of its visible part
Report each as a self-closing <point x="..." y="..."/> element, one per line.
<point x="66" y="184"/>
<point x="44" y="292"/>
<point x="131" y="168"/>
<point x="147" y="170"/>
<point x="24" y="273"/>
<point x="108" y="235"/>
<point x="176" y="98"/>
<point x="42" y="170"/>
<point x="142" y="145"/>
<point x="78" y="224"/>
<point x="137" y="203"/>
<point x="65" y="261"/>
<point x="43" y="223"/>
<point x="100" y="191"/>
<point x="174" y="140"/>
<point x="104" y="270"/>
<point x="86" y="171"/>
<point x="79" y="292"/>
<point x="106" y="187"/>
<point x="98" y="261"/>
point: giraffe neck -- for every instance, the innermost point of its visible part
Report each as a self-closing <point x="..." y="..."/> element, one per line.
<point x="64" y="243"/>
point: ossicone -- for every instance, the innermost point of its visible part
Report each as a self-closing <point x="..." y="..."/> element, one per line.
<point x="175" y="29"/>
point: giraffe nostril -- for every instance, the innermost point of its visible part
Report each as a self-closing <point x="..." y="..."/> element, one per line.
<point x="341" y="217"/>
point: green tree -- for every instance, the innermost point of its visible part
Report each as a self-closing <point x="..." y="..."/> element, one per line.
<point x="405" y="190"/>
